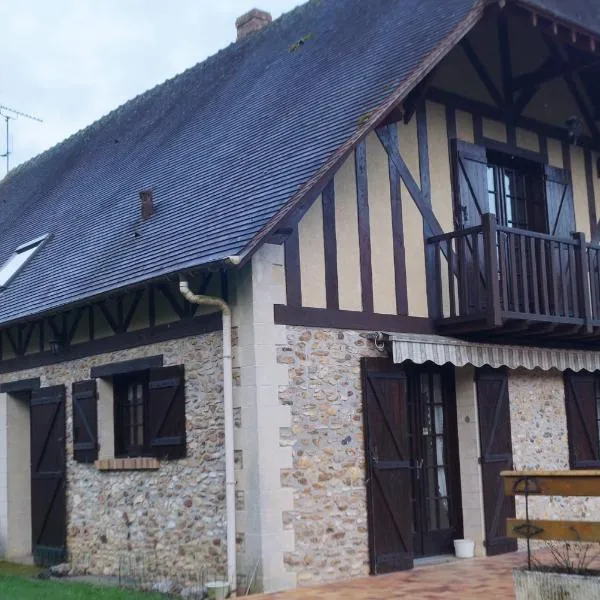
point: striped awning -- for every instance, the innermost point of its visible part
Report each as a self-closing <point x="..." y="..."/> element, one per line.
<point x="442" y="350"/>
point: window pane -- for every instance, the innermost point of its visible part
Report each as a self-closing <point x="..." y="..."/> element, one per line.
<point x="16" y="262"/>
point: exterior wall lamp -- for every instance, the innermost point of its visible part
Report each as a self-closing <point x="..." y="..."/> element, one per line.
<point x="56" y="345"/>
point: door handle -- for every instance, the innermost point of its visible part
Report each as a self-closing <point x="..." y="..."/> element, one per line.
<point x="374" y="455"/>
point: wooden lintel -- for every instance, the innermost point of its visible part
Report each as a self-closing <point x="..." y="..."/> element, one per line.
<point x="564" y="531"/>
<point x="552" y="483"/>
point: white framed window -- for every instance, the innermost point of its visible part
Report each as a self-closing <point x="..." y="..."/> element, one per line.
<point x="22" y="255"/>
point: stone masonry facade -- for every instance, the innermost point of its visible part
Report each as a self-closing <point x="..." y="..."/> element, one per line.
<point x="540" y="441"/>
<point x="329" y="517"/>
<point x="174" y="516"/>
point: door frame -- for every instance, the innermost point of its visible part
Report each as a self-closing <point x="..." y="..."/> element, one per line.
<point x="410" y="373"/>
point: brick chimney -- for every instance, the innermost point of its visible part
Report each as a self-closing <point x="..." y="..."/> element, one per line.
<point x="147" y="204"/>
<point x="252" y="21"/>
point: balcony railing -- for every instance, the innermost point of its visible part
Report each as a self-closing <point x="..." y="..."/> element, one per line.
<point x="491" y="278"/>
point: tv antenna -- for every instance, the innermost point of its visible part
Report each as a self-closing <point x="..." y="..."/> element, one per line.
<point x="10" y="114"/>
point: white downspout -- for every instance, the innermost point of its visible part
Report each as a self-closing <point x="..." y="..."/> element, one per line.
<point x="229" y="428"/>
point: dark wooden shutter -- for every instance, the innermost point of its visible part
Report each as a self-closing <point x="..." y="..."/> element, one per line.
<point x="387" y="445"/>
<point x="48" y="475"/>
<point x="561" y="224"/>
<point x="582" y="420"/>
<point x="166" y="412"/>
<point x="559" y="200"/>
<point x="85" y="421"/>
<point x="471" y="202"/>
<point x="496" y="456"/>
<point x="471" y="186"/>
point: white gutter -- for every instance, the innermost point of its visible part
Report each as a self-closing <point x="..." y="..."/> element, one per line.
<point x="228" y="409"/>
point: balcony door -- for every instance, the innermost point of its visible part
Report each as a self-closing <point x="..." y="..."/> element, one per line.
<point x="516" y="196"/>
<point x="533" y="205"/>
<point x="516" y="193"/>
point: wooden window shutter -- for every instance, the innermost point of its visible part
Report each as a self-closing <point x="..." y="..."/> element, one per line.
<point x="166" y="412"/>
<point x="493" y="408"/>
<point x="470" y="183"/>
<point x="582" y="423"/>
<point x="559" y="200"/>
<point x="85" y="421"/>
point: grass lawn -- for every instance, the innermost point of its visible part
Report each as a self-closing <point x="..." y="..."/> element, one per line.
<point x="17" y="583"/>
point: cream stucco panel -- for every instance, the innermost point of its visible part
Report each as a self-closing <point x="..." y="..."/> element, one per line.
<point x="415" y="257"/>
<point x="596" y="180"/>
<point x="380" y="222"/>
<point x="413" y="225"/>
<point x="555" y="155"/>
<point x="312" y="257"/>
<point x="464" y="126"/>
<point x="580" y="199"/>
<point x="346" y="230"/>
<point x="439" y="165"/>
<point x="528" y="140"/>
<point x="494" y="130"/>
<point x="409" y="147"/>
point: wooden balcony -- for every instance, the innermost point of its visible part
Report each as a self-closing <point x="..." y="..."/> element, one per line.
<point x="509" y="282"/>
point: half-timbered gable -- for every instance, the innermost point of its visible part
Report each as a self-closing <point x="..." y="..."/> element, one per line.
<point x="512" y="102"/>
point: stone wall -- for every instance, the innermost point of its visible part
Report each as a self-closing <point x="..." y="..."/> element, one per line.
<point x="174" y="516"/>
<point x="540" y="442"/>
<point x="329" y="518"/>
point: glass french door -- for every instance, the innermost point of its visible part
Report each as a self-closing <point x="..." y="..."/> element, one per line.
<point x="437" y="518"/>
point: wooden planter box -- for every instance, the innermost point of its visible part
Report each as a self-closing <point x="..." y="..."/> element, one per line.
<point x="542" y="585"/>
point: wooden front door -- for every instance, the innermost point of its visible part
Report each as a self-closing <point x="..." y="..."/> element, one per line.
<point x="436" y="505"/>
<point x="48" y="475"/>
<point x="496" y="456"/>
<point x="413" y="487"/>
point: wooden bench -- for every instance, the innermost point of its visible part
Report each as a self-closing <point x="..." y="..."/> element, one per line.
<point x="552" y="483"/>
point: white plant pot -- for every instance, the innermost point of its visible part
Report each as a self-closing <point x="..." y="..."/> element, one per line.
<point x="464" y="548"/>
<point x="217" y="590"/>
<point x="541" y="585"/>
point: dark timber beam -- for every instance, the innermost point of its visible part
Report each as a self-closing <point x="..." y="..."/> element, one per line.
<point x="364" y="226"/>
<point x="552" y="69"/>
<point x="506" y="68"/>
<point x="416" y="97"/>
<point x="330" y="247"/>
<point x="398" y="231"/>
<point x="483" y="73"/>
<point x="558" y="53"/>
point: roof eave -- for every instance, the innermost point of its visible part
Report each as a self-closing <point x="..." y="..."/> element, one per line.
<point x="559" y="19"/>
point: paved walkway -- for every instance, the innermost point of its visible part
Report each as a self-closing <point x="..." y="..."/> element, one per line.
<point x="473" y="579"/>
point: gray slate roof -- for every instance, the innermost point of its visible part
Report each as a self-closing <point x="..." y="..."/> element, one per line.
<point x="223" y="146"/>
<point x="583" y="13"/>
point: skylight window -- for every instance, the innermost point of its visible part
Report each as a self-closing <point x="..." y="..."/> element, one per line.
<point x="19" y="259"/>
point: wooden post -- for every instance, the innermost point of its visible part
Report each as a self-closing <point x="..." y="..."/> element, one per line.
<point x="583" y="268"/>
<point x="490" y="236"/>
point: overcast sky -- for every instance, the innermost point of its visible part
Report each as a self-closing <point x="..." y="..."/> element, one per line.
<point x="72" y="61"/>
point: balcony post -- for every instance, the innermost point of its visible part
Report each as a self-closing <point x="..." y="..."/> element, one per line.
<point x="492" y="275"/>
<point x="583" y="268"/>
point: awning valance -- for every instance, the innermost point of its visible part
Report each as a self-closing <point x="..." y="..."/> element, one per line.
<point x="441" y="350"/>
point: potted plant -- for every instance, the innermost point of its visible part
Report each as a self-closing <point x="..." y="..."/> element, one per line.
<point x="569" y="575"/>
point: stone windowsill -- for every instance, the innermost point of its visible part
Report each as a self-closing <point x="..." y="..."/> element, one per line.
<point x="142" y="463"/>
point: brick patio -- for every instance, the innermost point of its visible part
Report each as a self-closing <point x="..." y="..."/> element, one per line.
<point x="478" y="578"/>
